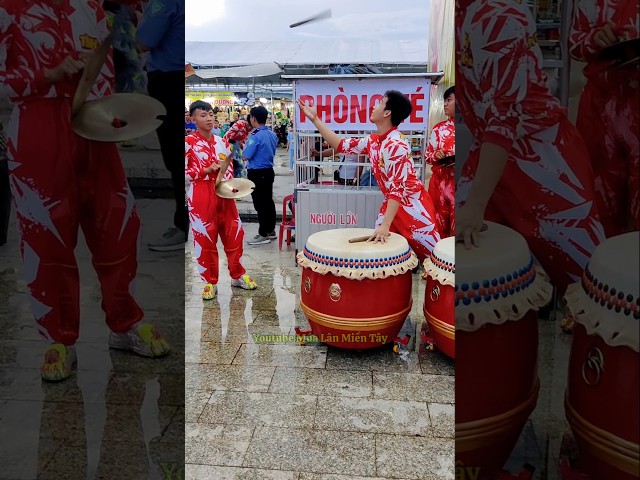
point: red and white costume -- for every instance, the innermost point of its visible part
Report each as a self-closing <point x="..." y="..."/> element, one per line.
<point x="209" y="214"/>
<point x="608" y="115"/>
<point x="546" y="190"/>
<point x="442" y="184"/>
<point x="60" y="181"/>
<point x="392" y="167"/>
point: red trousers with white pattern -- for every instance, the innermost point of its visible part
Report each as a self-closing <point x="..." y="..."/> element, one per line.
<point x="212" y="216"/>
<point x="61" y="182"/>
<point x="609" y="124"/>
<point x="442" y="188"/>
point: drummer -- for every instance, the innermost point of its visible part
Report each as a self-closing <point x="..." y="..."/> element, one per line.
<point x="439" y="152"/>
<point x="407" y="208"/>
<point x="209" y="214"/>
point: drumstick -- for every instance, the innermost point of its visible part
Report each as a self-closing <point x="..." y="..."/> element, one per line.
<point x="361" y="239"/>
<point x="319" y="16"/>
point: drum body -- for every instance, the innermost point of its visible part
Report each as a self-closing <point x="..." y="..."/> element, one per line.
<point x="356" y="296"/>
<point x="439" y="296"/>
<point x="601" y="401"/>
<point x="497" y="295"/>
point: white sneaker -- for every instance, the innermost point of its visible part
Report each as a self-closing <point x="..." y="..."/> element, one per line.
<point x="259" y="240"/>
<point x="173" y="239"/>
<point x="143" y="339"/>
<point x="245" y="282"/>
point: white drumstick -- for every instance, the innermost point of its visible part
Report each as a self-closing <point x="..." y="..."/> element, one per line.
<point x="314" y="18"/>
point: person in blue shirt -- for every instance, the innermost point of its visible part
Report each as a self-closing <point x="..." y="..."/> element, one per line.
<point x="161" y="33"/>
<point x="259" y="153"/>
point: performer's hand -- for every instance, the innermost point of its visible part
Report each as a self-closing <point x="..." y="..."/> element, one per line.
<point x="68" y="67"/>
<point x="310" y="112"/>
<point x="607" y="35"/>
<point x="469" y="220"/>
<point x="212" y="168"/>
<point x="440" y="154"/>
<point x="380" y="234"/>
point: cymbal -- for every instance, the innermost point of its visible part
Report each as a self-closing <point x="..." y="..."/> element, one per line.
<point x="622" y="51"/>
<point x="90" y="72"/>
<point x="236" y="188"/>
<point x="118" y="117"/>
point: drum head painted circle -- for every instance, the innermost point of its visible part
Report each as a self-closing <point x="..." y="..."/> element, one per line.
<point x="329" y="251"/>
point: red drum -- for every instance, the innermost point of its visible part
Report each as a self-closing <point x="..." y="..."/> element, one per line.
<point x="497" y="294"/>
<point x="356" y="295"/>
<point x="439" y="295"/>
<point x="601" y="401"/>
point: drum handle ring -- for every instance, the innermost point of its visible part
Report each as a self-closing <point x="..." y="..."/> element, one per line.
<point x="335" y="292"/>
<point x="595" y="361"/>
<point x="435" y="292"/>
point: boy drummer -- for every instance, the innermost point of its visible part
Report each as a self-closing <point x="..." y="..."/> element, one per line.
<point x="207" y="159"/>
<point x="407" y="208"/>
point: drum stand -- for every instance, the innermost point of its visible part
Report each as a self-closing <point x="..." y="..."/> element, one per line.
<point x="569" y="463"/>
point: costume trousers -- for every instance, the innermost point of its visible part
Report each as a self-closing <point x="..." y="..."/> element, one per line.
<point x="61" y="182"/>
<point x="608" y="120"/>
<point x="442" y="189"/>
<point x="212" y="216"/>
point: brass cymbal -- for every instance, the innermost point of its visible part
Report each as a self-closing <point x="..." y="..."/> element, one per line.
<point x="624" y="51"/>
<point x="236" y="188"/>
<point x="90" y="72"/>
<point x="118" y="117"/>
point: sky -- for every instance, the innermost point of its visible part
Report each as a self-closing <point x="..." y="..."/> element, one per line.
<point x="255" y="20"/>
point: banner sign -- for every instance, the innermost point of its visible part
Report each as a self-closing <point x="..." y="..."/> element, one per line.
<point x="216" y="99"/>
<point x="346" y="104"/>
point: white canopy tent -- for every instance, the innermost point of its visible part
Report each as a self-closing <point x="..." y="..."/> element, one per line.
<point x="307" y="52"/>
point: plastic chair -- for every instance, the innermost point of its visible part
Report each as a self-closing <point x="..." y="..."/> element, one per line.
<point x="287" y="223"/>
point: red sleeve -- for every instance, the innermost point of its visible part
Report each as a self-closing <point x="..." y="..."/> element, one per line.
<point x="238" y="131"/>
<point x="19" y="76"/>
<point x="354" y="146"/>
<point x="583" y="29"/>
<point x="192" y="165"/>
<point x="432" y="145"/>
<point x="397" y="166"/>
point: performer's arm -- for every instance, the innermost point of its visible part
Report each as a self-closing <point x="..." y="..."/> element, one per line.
<point x="381" y="233"/>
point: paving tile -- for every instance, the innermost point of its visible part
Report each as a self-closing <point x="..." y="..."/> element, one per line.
<point x="222" y="445"/>
<point x="422" y="458"/>
<point x="372" y="415"/>
<point x="201" y="472"/>
<point x="379" y="359"/>
<point x="315" y="381"/>
<point x="313" y="451"/>
<point x="211" y="352"/>
<point x="443" y="419"/>
<point x="414" y="387"/>
<point x="259" y="409"/>
<point x="211" y="377"/>
<point x="282" y="355"/>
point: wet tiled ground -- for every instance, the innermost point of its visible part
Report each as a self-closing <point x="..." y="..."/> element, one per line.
<point x="259" y="406"/>
<point x="119" y="415"/>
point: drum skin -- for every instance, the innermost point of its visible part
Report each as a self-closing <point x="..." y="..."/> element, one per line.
<point x="355" y="314"/>
<point x="496" y="391"/>
<point x="601" y="404"/>
<point x="439" y="312"/>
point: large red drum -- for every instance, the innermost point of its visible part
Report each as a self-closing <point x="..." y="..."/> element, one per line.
<point x="439" y="295"/>
<point x="356" y="295"/>
<point x="601" y="401"/>
<point x="497" y="295"/>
